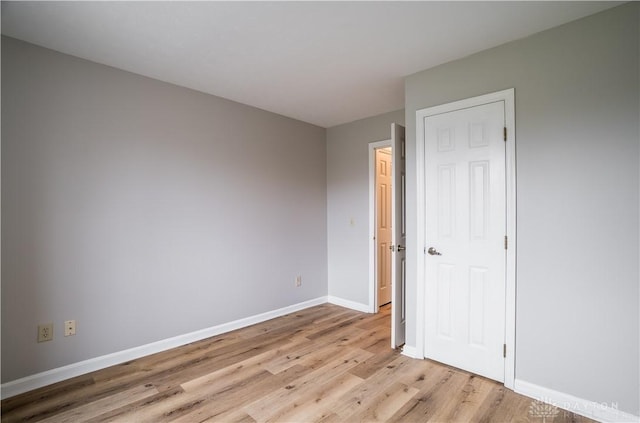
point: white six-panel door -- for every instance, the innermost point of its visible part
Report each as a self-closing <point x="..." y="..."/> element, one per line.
<point x="465" y="205"/>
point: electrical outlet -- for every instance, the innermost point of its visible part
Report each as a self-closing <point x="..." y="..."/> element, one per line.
<point x="69" y="327"/>
<point x="45" y="332"/>
<point x="298" y="280"/>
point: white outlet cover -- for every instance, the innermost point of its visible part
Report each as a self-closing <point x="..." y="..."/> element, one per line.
<point x="69" y="327"/>
<point x="45" y="332"/>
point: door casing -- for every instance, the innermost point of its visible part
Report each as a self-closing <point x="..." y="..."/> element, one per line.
<point x="508" y="96"/>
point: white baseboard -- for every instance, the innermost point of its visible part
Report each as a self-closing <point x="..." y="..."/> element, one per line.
<point x="59" y="374"/>
<point x="349" y="304"/>
<point x="602" y="412"/>
<point x="410" y="351"/>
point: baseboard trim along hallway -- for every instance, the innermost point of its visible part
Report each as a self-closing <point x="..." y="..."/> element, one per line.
<point x="349" y="304"/>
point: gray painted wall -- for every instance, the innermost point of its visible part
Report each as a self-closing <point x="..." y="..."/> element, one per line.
<point x="577" y="105"/>
<point x="348" y="199"/>
<point x="110" y="182"/>
<point x="145" y="210"/>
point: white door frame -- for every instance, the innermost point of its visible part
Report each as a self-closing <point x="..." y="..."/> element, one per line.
<point x="508" y="96"/>
<point x="373" y="251"/>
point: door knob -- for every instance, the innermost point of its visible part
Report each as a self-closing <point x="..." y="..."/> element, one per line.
<point x="401" y="248"/>
<point x="432" y="251"/>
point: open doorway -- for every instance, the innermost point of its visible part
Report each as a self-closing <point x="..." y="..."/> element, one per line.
<point x="380" y="218"/>
<point x="383" y="199"/>
<point x="387" y="231"/>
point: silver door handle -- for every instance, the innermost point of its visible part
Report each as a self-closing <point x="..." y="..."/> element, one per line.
<point x="401" y="248"/>
<point x="432" y="251"/>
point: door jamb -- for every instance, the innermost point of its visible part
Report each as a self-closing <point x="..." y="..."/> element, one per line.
<point x="373" y="253"/>
<point x="508" y="96"/>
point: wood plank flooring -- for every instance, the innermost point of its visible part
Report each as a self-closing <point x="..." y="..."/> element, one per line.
<point x="323" y="364"/>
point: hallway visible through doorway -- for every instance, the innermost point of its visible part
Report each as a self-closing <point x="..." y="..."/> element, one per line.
<point x="383" y="224"/>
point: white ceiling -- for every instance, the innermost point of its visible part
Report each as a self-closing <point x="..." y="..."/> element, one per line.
<point x="321" y="62"/>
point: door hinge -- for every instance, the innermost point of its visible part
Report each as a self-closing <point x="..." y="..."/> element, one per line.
<point x="504" y="350"/>
<point x="506" y="242"/>
<point x="504" y="132"/>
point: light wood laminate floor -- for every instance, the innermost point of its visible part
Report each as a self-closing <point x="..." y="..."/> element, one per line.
<point x="323" y="364"/>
